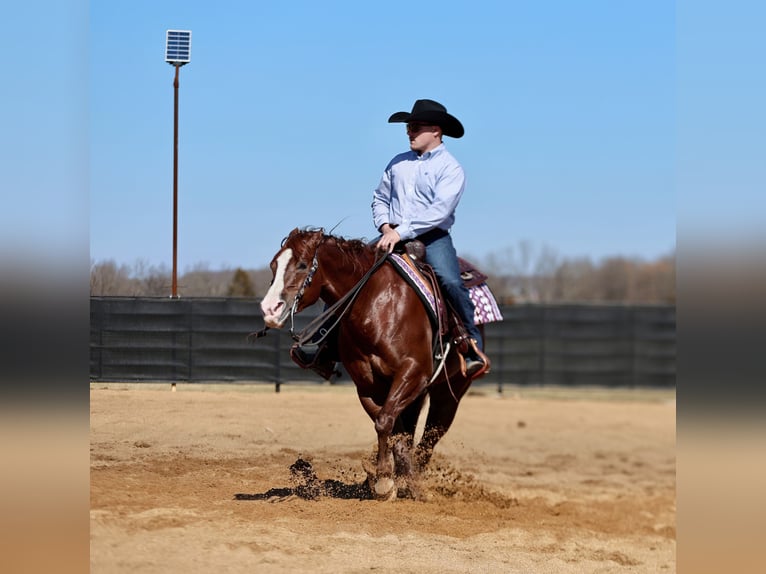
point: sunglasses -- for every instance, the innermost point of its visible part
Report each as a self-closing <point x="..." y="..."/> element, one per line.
<point x="416" y="127"/>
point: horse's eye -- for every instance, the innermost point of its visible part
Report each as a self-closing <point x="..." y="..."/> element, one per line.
<point x="302" y="266"/>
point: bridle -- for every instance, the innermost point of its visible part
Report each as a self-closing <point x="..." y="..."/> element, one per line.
<point x="306" y="284"/>
<point x="298" y="296"/>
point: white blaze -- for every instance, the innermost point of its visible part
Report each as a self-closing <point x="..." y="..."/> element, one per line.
<point x="273" y="306"/>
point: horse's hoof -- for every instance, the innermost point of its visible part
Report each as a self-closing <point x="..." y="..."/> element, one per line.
<point x="385" y="489"/>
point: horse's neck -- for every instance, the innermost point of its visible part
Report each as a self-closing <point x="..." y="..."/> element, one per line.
<point x="341" y="273"/>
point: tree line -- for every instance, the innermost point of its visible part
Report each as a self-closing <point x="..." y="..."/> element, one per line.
<point x="520" y="274"/>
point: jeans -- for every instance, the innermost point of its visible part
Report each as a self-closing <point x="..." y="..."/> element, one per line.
<point x="442" y="257"/>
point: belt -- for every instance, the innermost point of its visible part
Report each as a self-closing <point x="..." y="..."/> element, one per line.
<point x="432" y="235"/>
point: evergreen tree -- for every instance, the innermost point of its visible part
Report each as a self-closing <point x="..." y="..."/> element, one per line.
<point x="241" y="285"/>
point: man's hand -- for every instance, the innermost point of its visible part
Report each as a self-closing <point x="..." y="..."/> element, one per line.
<point x="389" y="239"/>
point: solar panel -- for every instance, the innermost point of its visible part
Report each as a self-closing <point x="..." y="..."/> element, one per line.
<point x="178" y="47"/>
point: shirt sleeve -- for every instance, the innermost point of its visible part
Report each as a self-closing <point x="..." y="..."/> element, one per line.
<point x="381" y="200"/>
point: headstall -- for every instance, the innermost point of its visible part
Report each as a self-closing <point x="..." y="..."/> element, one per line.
<point x="299" y="295"/>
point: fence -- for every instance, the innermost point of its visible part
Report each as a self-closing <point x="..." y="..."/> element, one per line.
<point x="205" y="339"/>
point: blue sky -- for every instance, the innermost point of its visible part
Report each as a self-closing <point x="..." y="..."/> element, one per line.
<point x="574" y="113"/>
<point x="282" y="118"/>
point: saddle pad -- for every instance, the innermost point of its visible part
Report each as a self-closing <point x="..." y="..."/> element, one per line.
<point x="414" y="279"/>
<point x="485" y="309"/>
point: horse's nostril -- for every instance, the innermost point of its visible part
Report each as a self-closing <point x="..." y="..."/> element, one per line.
<point x="272" y="310"/>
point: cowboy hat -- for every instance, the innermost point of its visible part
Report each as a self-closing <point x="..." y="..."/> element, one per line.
<point x="430" y="112"/>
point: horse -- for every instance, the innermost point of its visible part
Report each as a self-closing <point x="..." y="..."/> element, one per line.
<point x="384" y="342"/>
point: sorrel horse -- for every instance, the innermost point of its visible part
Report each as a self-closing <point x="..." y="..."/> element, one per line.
<point x="384" y="343"/>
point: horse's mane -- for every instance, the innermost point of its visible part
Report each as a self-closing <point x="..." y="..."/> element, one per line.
<point x="356" y="247"/>
<point x="350" y="248"/>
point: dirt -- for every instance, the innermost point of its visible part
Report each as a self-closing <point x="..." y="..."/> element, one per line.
<point x="238" y="478"/>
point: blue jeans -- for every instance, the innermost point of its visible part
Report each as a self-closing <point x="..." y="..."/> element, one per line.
<point x="442" y="257"/>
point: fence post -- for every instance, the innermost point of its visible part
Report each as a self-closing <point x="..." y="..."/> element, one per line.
<point x="501" y="365"/>
<point x="277" y="361"/>
<point x="543" y="334"/>
<point x="190" y="348"/>
<point x="100" y="326"/>
<point x="633" y="348"/>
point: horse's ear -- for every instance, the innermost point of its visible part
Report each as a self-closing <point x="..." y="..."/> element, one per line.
<point x="286" y="239"/>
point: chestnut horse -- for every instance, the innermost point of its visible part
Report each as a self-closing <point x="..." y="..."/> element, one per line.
<point x="384" y="343"/>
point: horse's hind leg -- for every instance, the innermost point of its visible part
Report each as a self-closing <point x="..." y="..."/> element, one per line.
<point x="402" y="443"/>
<point x="441" y="413"/>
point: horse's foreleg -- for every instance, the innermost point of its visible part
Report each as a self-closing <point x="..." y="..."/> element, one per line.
<point x="403" y="393"/>
<point x="381" y="479"/>
<point x="384" y="486"/>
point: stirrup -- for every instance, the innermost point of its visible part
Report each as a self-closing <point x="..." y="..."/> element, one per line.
<point x="326" y="370"/>
<point x="472" y="369"/>
<point x="309" y="356"/>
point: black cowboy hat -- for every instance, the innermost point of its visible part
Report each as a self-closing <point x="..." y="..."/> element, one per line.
<point x="430" y="112"/>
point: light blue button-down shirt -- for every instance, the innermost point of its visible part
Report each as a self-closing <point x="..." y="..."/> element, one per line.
<point x="419" y="193"/>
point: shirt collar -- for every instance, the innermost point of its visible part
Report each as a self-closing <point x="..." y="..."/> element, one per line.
<point x="438" y="149"/>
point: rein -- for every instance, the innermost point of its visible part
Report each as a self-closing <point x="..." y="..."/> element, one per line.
<point x="344" y="303"/>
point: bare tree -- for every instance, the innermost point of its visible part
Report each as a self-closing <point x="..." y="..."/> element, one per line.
<point x="574" y="280"/>
<point x="107" y="278"/>
<point x="151" y="280"/>
<point x="655" y="282"/>
<point x="200" y="281"/>
<point x="522" y="273"/>
<point x="615" y="279"/>
<point x="546" y="261"/>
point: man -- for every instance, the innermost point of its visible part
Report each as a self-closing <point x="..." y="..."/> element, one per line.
<point x="416" y="199"/>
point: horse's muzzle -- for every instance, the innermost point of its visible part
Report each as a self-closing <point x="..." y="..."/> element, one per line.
<point x="274" y="315"/>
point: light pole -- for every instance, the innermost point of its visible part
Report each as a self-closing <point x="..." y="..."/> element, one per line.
<point x="177" y="53"/>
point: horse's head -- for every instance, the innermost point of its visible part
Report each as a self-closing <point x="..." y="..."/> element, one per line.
<point x="292" y="287"/>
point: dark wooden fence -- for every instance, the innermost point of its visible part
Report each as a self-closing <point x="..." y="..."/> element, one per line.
<point x="206" y="340"/>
